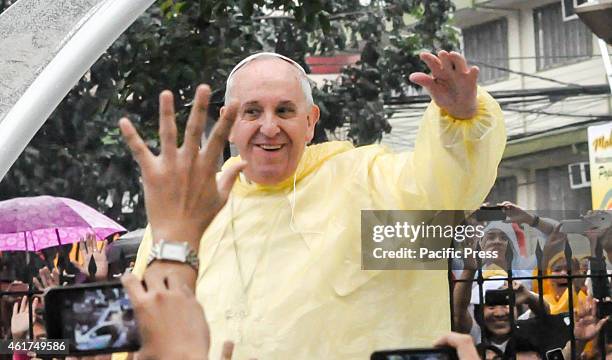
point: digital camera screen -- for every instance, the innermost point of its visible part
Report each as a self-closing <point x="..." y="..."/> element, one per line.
<point x="97" y="319"/>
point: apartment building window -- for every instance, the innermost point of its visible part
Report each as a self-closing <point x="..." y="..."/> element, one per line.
<point x="569" y="6"/>
<point x="559" y="42"/>
<point x="486" y="45"/>
<point x="554" y="191"/>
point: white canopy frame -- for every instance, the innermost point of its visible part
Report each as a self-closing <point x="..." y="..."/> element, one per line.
<point x="83" y="45"/>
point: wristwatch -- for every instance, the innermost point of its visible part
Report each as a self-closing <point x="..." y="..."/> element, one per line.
<point x="174" y="251"/>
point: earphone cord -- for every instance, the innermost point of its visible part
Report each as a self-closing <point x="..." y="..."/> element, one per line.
<point x="293" y="202"/>
<point x="291" y="222"/>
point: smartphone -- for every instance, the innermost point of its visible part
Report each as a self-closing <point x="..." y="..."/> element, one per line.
<point x="438" y="353"/>
<point x="574" y="226"/>
<point x="599" y="219"/>
<point x="497" y="297"/>
<point x="555" y="354"/>
<point x="94" y="318"/>
<point x="490" y="213"/>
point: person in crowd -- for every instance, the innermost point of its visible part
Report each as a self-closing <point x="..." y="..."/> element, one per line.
<point x="283" y="256"/>
<point x="20" y="320"/>
<point x="88" y="251"/>
<point x="20" y="324"/>
<point x="490" y="321"/>
<point x="501" y="237"/>
<point x="600" y="239"/>
<point x="507" y="235"/>
<point x="556" y="290"/>
<point x="498" y="236"/>
<point x="504" y="235"/>
<point x="587" y="326"/>
<point x="47" y="280"/>
<point x="554" y="262"/>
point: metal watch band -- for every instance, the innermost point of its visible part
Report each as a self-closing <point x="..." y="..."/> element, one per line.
<point x="180" y="252"/>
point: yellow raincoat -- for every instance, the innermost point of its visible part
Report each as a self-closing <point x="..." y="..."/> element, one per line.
<point x="302" y="293"/>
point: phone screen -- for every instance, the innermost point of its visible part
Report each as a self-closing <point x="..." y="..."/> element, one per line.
<point x="416" y="354"/>
<point x="574" y="226"/>
<point x="94" y="318"/>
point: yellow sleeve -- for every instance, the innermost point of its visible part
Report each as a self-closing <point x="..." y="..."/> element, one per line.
<point x="139" y="269"/>
<point x="143" y="253"/>
<point x="453" y="166"/>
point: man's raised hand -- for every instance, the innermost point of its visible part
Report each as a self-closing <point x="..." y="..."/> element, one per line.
<point x="182" y="195"/>
<point x="452" y="84"/>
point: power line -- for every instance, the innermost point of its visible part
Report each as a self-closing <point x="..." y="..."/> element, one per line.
<point x="576" y="124"/>
<point x="528" y="111"/>
<point x="517" y="93"/>
<point x="524" y="74"/>
<point x="537" y="57"/>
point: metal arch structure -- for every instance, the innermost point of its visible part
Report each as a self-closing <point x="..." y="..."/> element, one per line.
<point x="45" y="48"/>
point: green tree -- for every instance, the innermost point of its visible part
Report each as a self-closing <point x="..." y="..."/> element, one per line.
<point x="177" y="44"/>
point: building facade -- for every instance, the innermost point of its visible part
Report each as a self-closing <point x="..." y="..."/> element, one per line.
<point x="547" y="64"/>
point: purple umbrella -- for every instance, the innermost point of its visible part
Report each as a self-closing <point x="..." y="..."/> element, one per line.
<point x="36" y="223"/>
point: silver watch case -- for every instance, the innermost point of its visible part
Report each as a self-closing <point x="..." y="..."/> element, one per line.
<point x="174" y="251"/>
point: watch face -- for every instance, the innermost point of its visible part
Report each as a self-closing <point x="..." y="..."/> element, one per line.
<point x="173" y="252"/>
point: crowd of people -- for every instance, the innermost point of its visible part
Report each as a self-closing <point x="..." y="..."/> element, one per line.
<point x="541" y="317"/>
<point x="558" y="296"/>
<point x="52" y="267"/>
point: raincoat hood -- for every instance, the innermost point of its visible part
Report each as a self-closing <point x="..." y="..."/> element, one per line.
<point x="507" y="229"/>
<point x="313" y="157"/>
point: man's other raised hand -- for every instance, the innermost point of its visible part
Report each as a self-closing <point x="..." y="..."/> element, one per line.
<point x="451" y="84"/>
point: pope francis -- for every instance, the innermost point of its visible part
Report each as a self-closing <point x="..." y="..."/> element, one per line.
<point x="278" y="270"/>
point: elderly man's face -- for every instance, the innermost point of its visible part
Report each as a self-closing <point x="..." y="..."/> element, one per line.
<point x="274" y="121"/>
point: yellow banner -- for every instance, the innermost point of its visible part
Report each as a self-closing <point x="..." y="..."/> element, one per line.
<point x="600" y="158"/>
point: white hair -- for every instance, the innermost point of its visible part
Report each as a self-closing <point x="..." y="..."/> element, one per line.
<point x="303" y="78"/>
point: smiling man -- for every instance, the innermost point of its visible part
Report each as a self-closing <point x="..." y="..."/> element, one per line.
<point x="276" y="117"/>
<point x="279" y="266"/>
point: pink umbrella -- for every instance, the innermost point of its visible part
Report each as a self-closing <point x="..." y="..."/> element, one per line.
<point x="36" y="223"/>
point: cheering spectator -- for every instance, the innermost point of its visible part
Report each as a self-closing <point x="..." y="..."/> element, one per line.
<point x="48" y="279"/>
<point x="89" y="250"/>
<point x="20" y="319"/>
<point x="586" y="328"/>
<point x="556" y="290"/>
